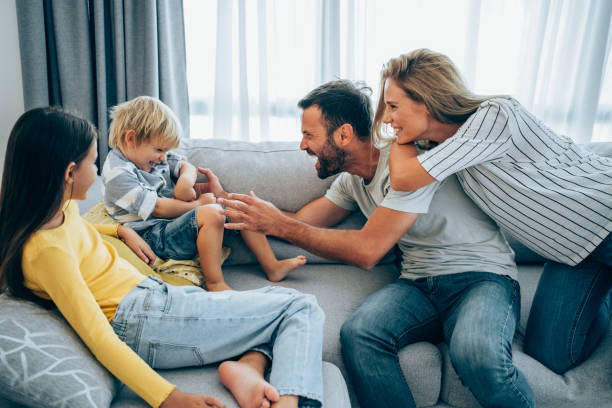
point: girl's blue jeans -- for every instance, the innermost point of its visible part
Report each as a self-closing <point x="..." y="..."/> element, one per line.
<point x="474" y="312"/>
<point x="181" y="326"/>
<point x="571" y="310"/>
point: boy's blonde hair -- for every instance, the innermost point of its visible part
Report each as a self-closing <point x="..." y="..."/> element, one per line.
<point x="150" y="118"/>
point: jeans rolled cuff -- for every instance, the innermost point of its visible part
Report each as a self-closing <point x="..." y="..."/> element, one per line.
<point x="263" y="350"/>
<point x="307" y="399"/>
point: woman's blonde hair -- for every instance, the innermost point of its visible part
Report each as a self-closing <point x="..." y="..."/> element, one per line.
<point x="431" y="78"/>
<point x="150" y="118"/>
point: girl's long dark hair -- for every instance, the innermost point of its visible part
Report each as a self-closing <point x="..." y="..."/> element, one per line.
<point x="42" y="144"/>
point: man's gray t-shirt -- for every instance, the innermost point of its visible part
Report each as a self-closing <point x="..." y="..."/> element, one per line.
<point x="450" y="235"/>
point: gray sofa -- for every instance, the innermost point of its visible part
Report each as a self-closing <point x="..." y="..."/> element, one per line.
<point x="281" y="173"/>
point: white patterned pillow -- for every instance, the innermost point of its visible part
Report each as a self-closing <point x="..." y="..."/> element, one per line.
<point x="43" y="363"/>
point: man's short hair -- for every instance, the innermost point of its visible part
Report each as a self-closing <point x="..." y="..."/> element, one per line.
<point x="150" y="118"/>
<point x="342" y="102"/>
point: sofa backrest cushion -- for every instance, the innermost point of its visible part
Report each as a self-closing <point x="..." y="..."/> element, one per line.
<point x="44" y="364"/>
<point x="276" y="171"/>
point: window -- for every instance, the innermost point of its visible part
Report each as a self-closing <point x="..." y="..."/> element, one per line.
<point x="250" y="61"/>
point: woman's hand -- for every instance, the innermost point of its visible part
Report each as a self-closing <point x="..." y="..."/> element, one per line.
<point x="211" y="186"/>
<point x="137" y="244"/>
<point x="179" y="399"/>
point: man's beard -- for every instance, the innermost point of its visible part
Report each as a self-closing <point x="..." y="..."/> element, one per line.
<point x="331" y="160"/>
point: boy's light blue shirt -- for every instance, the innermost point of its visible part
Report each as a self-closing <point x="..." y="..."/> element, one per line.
<point x="130" y="194"/>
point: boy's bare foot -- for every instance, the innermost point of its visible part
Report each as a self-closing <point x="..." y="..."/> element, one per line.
<point x="247" y="385"/>
<point x="217" y="287"/>
<point x="280" y="269"/>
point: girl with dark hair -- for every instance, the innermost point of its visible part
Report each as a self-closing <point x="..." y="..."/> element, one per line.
<point x="552" y="195"/>
<point x="50" y="255"/>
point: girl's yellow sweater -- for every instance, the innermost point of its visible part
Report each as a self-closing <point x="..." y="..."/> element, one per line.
<point x="86" y="279"/>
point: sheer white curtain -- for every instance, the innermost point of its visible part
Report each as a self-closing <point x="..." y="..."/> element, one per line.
<point x="250" y="61"/>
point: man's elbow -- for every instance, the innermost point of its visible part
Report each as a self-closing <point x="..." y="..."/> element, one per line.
<point x="368" y="259"/>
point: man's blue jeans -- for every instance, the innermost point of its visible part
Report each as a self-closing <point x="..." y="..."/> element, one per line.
<point x="474" y="312"/>
<point x="571" y="310"/>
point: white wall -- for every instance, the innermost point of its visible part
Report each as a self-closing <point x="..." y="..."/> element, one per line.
<point x="11" y="91"/>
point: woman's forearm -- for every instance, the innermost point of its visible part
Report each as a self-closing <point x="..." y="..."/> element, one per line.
<point x="405" y="171"/>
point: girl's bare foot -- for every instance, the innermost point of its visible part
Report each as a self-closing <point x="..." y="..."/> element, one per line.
<point x="247" y="385"/>
<point x="280" y="269"/>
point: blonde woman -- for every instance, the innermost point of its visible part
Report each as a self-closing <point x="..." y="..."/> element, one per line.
<point x="550" y="194"/>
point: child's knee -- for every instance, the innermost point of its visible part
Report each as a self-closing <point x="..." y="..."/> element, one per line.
<point x="210" y="215"/>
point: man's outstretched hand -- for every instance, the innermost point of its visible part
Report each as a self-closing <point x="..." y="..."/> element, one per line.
<point x="249" y="212"/>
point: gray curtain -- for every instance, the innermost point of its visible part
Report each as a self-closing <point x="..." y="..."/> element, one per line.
<point x="88" y="55"/>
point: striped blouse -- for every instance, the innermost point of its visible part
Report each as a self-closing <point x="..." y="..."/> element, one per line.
<point x="551" y="194"/>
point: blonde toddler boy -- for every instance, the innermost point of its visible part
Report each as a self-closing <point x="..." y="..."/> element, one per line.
<point x="154" y="191"/>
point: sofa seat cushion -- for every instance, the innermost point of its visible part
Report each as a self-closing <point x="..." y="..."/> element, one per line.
<point x="196" y="380"/>
<point x="44" y="364"/>
<point x="422" y="367"/>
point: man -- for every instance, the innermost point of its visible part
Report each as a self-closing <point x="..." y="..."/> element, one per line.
<point x="456" y="282"/>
